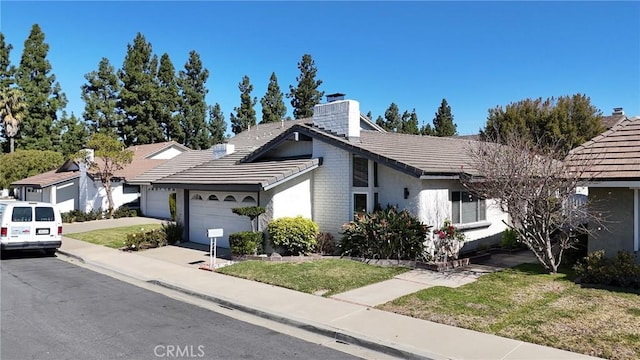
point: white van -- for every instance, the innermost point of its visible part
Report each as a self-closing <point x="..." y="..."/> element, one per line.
<point x="30" y="225"/>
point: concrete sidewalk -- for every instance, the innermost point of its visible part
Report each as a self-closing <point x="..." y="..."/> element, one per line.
<point x="341" y="318"/>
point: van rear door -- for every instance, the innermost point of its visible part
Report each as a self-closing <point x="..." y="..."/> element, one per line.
<point x="45" y="225"/>
<point x="21" y="226"/>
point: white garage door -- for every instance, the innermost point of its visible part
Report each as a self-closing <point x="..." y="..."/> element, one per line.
<point x="158" y="203"/>
<point x="212" y="210"/>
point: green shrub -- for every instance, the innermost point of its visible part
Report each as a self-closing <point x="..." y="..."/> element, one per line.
<point x="325" y="244"/>
<point x="173" y="232"/>
<point x="252" y="212"/>
<point x="384" y="234"/>
<point x="510" y="240"/>
<point x="80" y="216"/>
<point x="146" y="240"/>
<point x="297" y="235"/>
<point x="621" y="270"/>
<point x="577" y="251"/>
<point x="246" y="243"/>
<point x="172" y="206"/>
<point x="124" y="211"/>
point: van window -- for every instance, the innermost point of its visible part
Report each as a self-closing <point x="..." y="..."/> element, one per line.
<point x="21" y="214"/>
<point x="44" y="214"/>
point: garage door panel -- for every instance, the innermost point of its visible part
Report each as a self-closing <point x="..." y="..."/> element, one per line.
<point x="210" y="214"/>
<point x="158" y="203"/>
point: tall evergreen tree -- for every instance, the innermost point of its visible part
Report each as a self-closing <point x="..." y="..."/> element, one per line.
<point x="168" y="100"/>
<point x="273" y="108"/>
<point x="426" y="129"/>
<point x="245" y="115"/>
<point x="306" y="95"/>
<point x="100" y="95"/>
<point x="193" y="111"/>
<point x="369" y="115"/>
<point x="392" y="121"/>
<point x="410" y="123"/>
<point x="138" y="94"/>
<point x="73" y="134"/>
<point x="7" y="71"/>
<point x="443" y="124"/>
<point x="43" y="94"/>
<point x="217" y="126"/>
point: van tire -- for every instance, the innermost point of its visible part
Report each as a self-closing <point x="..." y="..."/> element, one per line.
<point x="50" y="252"/>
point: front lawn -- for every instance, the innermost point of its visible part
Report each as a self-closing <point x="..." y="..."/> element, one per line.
<point x="113" y="237"/>
<point x="326" y="277"/>
<point x="526" y="304"/>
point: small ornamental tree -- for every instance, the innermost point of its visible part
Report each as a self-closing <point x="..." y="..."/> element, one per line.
<point x="252" y="212"/>
<point x="110" y="157"/>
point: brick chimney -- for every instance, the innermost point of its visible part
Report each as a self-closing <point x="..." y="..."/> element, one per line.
<point x="338" y="116"/>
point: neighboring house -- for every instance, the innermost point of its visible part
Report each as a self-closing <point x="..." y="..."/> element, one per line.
<point x="614" y="186"/>
<point x="71" y="188"/>
<point x="327" y="168"/>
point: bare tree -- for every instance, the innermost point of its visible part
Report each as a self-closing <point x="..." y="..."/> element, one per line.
<point x="537" y="190"/>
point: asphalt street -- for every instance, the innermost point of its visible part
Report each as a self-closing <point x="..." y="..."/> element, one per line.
<point x="52" y="309"/>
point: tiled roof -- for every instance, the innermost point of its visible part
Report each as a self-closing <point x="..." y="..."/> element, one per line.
<point x="179" y="163"/>
<point x="612" y="120"/>
<point x="244" y="142"/>
<point x="262" y="133"/>
<point x="140" y="163"/>
<point x="413" y="154"/>
<point x="616" y="153"/>
<point x="48" y="178"/>
<point x="227" y="173"/>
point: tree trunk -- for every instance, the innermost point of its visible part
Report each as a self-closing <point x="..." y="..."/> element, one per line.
<point x="107" y="188"/>
<point x="11" y="145"/>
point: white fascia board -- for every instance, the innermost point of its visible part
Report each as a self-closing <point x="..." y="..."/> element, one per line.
<point x="614" y="184"/>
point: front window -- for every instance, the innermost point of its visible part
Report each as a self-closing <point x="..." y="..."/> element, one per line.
<point x="359" y="203"/>
<point x="360" y="172"/>
<point x="466" y="208"/>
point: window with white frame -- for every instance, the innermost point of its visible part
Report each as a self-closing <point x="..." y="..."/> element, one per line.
<point x="360" y="203"/>
<point x="467" y="208"/>
<point x="364" y="183"/>
<point x="360" y="172"/>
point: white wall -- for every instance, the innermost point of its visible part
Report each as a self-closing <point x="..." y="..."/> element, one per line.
<point x="169" y="153"/>
<point x="331" y="188"/>
<point x="292" y="198"/>
<point x="97" y="195"/>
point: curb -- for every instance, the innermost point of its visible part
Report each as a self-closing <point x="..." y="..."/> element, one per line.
<point x="68" y="254"/>
<point x="321" y="330"/>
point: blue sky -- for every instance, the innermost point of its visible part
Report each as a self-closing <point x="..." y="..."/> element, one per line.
<point x="477" y="55"/>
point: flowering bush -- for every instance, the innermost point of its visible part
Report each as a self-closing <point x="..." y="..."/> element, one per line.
<point x="445" y="242"/>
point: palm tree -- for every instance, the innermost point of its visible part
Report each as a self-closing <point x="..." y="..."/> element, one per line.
<point x="12" y="111"/>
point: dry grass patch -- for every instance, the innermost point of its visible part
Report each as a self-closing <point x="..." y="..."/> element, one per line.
<point x="526" y="304"/>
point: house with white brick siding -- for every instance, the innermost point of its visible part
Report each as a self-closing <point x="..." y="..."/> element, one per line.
<point x="327" y="168"/>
